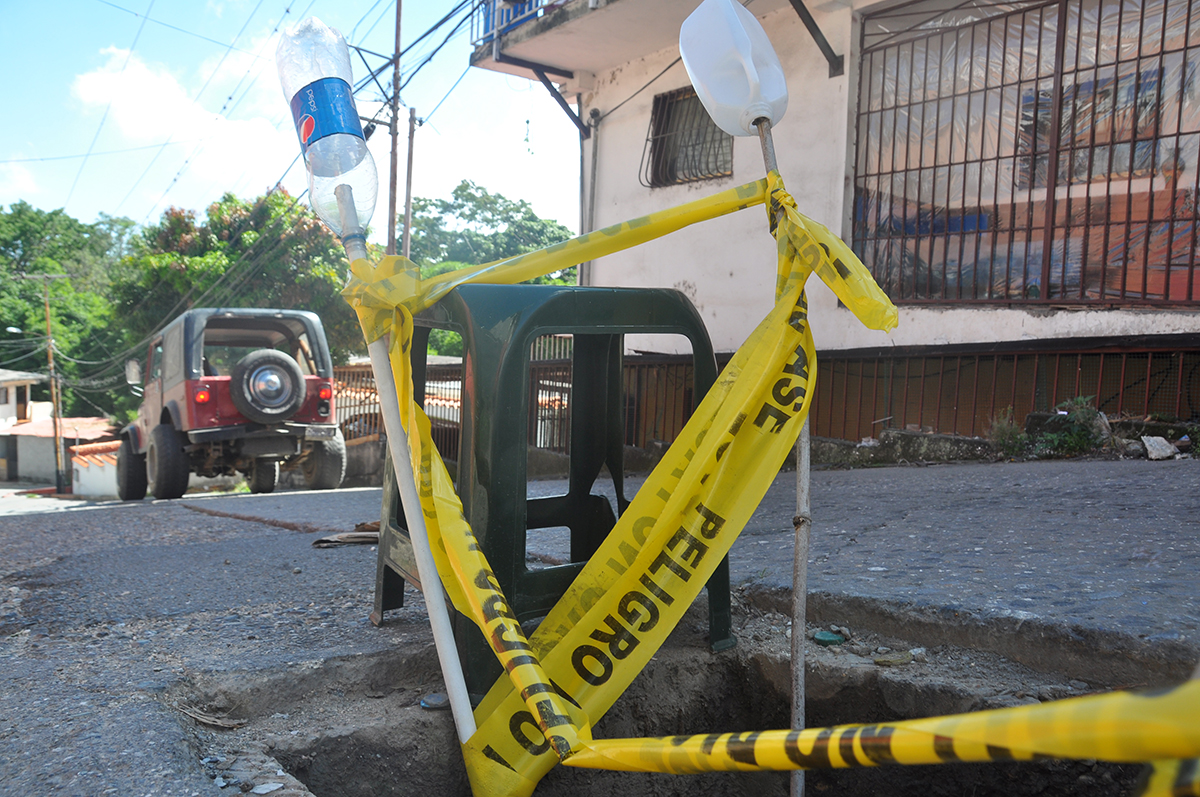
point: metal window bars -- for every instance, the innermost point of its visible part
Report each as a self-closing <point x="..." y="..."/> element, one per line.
<point x="683" y="143"/>
<point x="1041" y="151"/>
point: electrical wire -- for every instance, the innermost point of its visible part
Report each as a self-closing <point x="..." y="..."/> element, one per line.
<point x="93" y="154"/>
<point x="237" y="280"/>
<point x="33" y="353"/>
<point x="146" y="171"/>
<point x="378" y="19"/>
<point x="453" y="32"/>
<point x="196" y="98"/>
<point x="265" y="235"/>
<point x="118" y="359"/>
<point x="447" y="94"/>
<point x="107" y="108"/>
<point x="639" y="91"/>
<point x="363" y="17"/>
<point x="146" y="18"/>
<point x="365" y="81"/>
<point x="387" y="98"/>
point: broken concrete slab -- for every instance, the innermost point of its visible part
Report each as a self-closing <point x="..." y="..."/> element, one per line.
<point x="1159" y="448"/>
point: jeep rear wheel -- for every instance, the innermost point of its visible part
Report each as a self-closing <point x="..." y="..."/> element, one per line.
<point x="325" y="466"/>
<point x="166" y="463"/>
<point x="131" y="473"/>
<point x="263" y="475"/>
<point x="267" y="386"/>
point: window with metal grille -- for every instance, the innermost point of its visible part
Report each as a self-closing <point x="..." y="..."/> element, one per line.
<point x="684" y="144"/>
<point x="1031" y="151"/>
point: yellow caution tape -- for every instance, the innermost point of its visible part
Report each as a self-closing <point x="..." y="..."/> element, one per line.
<point x="1123" y="726"/>
<point x="1177" y="778"/>
<point x="653" y="563"/>
<point x="683" y="521"/>
<point x="465" y="572"/>
<point x="375" y="289"/>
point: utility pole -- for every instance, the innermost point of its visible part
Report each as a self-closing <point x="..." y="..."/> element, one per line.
<point x="55" y="397"/>
<point x="412" y="128"/>
<point x="391" y="245"/>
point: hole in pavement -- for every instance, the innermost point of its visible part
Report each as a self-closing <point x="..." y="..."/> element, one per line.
<point x="353" y="727"/>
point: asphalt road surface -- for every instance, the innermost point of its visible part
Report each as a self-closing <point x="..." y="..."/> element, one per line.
<point x="103" y="605"/>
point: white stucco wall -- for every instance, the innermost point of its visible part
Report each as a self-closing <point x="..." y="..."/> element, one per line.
<point x="95" y="480"/>
<point x="726" y="266"/>
<point x="35" y="459"/>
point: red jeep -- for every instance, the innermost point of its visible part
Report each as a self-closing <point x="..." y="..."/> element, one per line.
<point x="232" y="391"/>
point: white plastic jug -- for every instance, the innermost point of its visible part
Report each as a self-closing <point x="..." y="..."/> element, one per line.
<point x="733" y="67"/>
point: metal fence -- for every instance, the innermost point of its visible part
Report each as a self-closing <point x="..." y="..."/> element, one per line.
<point x="484" y="17"/>
<point x="961" y="393"/>
<point x="658" y="398"/>
<point x="657" y="389"/>
<point x="356" y="404"/>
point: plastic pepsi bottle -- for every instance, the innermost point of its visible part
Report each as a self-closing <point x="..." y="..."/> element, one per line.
<point x="314" y="70"/>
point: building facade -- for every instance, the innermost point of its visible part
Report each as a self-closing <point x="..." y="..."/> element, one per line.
<point x="1021" y="178"/>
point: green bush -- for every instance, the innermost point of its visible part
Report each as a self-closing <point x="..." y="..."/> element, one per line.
<point x="1006" y="434"/>
<point x="1079" y="436"/>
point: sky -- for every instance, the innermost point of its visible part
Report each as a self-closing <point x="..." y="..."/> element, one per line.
<point x="179" y="102"/>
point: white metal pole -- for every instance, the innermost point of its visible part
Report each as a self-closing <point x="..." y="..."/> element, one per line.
<point x="389" y="404"/>
<point x="431" y="584"/>
<point x="802" y="523"/>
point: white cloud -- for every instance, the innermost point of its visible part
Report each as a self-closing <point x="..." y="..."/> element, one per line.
<point x="478" y="134"/>
<point x="16" y="182"/>
<point x="148" y="104"/>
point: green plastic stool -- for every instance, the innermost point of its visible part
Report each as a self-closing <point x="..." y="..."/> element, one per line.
<point x="499" y="324"/>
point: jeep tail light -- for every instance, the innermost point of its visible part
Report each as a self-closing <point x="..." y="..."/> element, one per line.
<point x="326" y="392"/>
<point x="203" y="395"/>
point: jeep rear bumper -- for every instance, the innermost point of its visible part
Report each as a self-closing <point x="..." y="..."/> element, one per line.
<point x="254" y="431"/>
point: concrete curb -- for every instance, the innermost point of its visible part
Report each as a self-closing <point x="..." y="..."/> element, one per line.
<point x="1102" y="658"/>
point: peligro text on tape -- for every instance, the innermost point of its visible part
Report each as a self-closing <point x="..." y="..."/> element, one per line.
<point x="762" y="389"/>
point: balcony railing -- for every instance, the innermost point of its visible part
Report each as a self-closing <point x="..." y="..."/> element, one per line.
<point x="484" y="18"/>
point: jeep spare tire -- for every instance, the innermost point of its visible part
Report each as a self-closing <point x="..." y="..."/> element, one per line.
<point x="267" y="386"/>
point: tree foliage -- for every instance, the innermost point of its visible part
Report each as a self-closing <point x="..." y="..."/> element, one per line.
<point x="272" y="252"/>
<point x="125" y="283"/>
<point x="475" y="226"/>
<point x="36" y="245"/>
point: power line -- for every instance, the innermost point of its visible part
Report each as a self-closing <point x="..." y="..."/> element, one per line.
<point x="107" y="108"/>
<point x="36" y="351"/>
<point x="363" y="82"/>
<point x="447" y="94"/>
<point x="378" y="19"/>
<point x="258" y="55"/>
<point x="196" y="98"/>
<point x="643" y="88"/>
<point x="230" y="271"/>
<point x="364" y="16"/>
<point x="146" y="18"/>
<point x="94" y="154"/>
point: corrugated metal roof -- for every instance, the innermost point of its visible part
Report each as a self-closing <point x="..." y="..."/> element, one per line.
<point x="20" y="376"/>
<point x="90" y="429"/>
